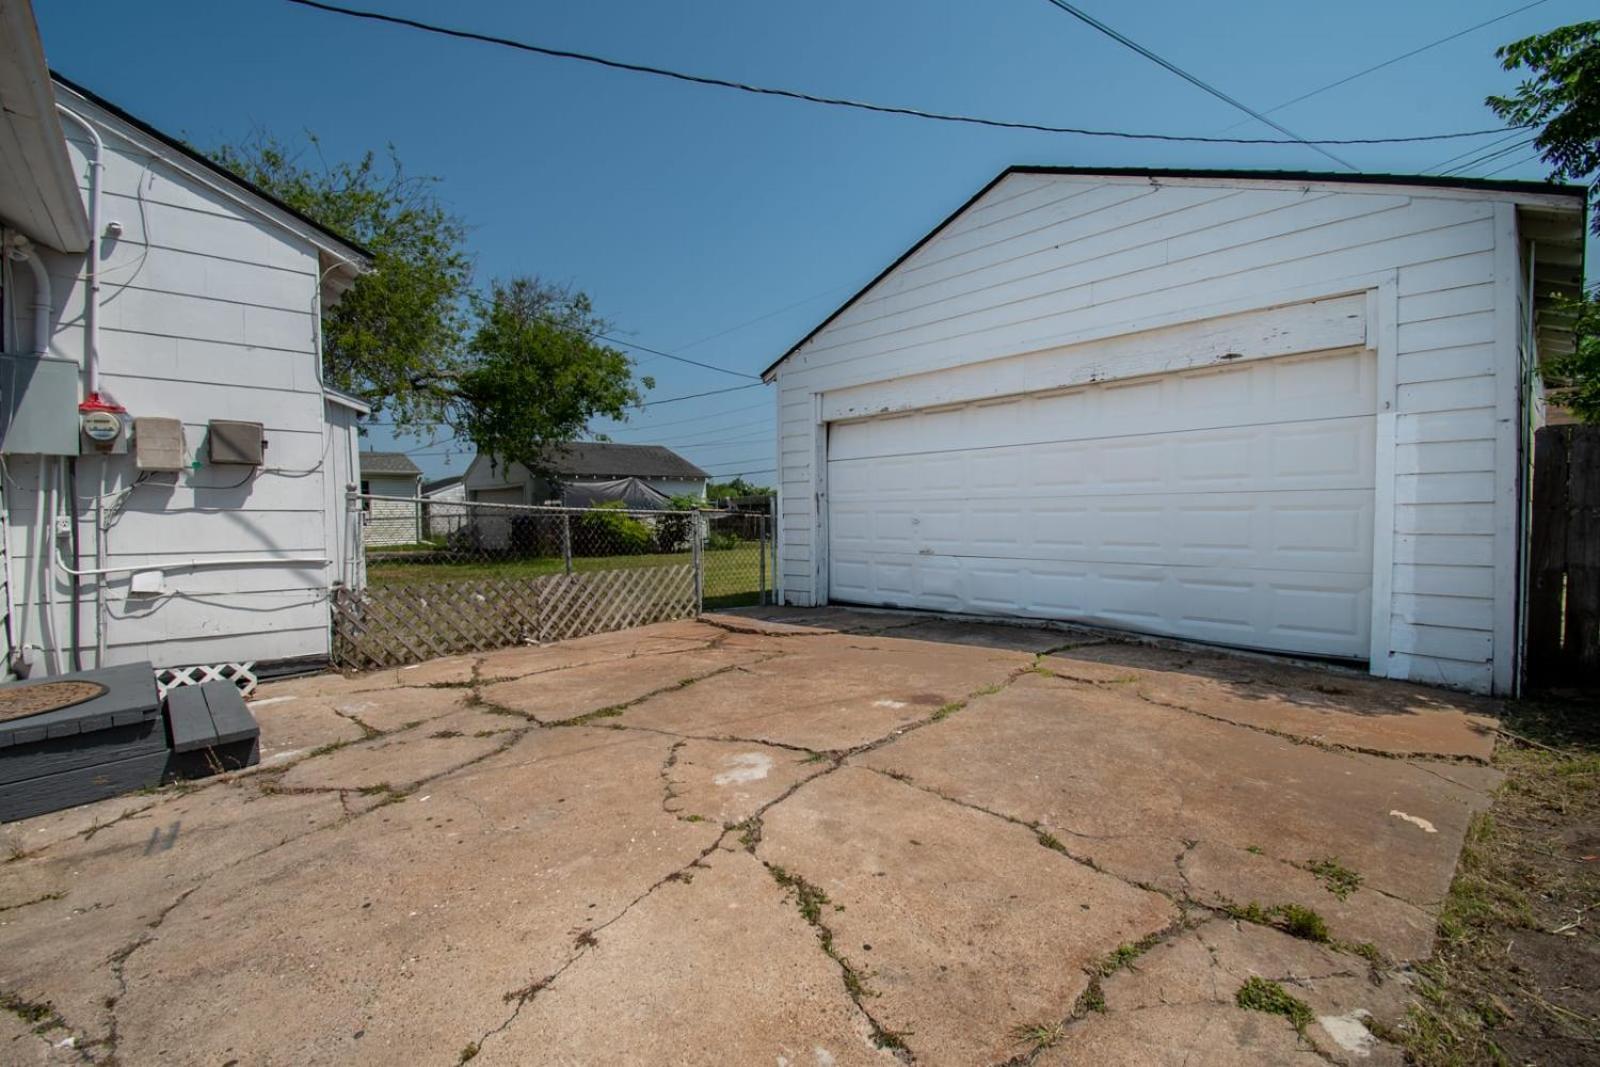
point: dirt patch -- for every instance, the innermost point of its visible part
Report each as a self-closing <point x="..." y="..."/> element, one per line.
<point x="1516" y="975"/>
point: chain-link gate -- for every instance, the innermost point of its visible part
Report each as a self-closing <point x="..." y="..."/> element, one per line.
<point x="436" y="578"/>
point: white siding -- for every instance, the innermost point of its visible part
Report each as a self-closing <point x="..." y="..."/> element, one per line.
<point x="207" y="312"/>
<point x="1044" y="261"/>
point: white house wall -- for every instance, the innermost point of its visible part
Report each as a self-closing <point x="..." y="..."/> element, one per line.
<point x="1043" y="262"/>
<point x="206" y="313"/>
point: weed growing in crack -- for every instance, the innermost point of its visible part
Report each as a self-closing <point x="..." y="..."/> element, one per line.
<point x="1050" y="841"/>
<point x="808" y="898"/>
<point x="1124" y="955"/>
<point x="526" y="993"/>
<point x="815" y="757"/>
<point x="947" y="710"/>
<point x="1093" y="998"/>
<point x="1259" y="994"/>
<point x="749" y="832"/>
<point x="329" y="748"/>
<point x="586" y="939"/>
<point x="376" y="789"/>
<point x="1302" y="922"/>
<point x="440" y="735"/>
<point x="594" y="716"/>
<point x="1335" y="877"/>
<point x="41" y="1016"/>
<point x="1293" y="919"/>
<point x="468" y="1053"/>
<point x="1039" y="1035"/>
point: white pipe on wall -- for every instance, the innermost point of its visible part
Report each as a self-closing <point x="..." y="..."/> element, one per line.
<point x="22" y="249"/>
<point x="91" y="303"/>
<point x="188" y="564"/>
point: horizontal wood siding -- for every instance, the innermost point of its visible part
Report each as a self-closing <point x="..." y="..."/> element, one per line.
<point x="208" y="311"/>
<point x="1044" y="261"/>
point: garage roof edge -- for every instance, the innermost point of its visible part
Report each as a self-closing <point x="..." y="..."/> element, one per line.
<point x="1578" y="192"/>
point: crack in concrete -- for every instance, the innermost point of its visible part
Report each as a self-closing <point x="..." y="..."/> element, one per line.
<point x="611" y="711"/>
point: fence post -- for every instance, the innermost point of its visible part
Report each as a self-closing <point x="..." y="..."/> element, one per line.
<point x="699" y="561"/>
<point x="761" y="583"/>
<point x="566" y="540"/>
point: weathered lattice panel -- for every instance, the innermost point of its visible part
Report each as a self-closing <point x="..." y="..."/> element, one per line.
<point x="390" y="625"/>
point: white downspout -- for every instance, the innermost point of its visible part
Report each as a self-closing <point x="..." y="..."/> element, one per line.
<point x="91" y="304"/>
<point x="47" y="500"/>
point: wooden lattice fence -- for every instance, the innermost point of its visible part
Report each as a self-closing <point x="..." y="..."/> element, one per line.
<point x="392" y="625"/>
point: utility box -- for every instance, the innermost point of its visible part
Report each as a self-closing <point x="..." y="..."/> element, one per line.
<point x="239" y="443"/>
<point x="158" y="444"/>
<point x="38" y="406"/>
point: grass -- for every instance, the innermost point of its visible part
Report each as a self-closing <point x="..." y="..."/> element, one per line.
<point x="1293" y="919"/>
<point x="1335" y="877"/>
<point x="1039" y="1035"/>
<point x="1518" y="930"/>
<point x="1259" y="994"/>
<point x="731" y="579"/>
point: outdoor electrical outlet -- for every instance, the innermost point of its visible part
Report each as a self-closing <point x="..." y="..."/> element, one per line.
<point x="63" y="526"/>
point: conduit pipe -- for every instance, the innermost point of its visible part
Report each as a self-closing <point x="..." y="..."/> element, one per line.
<point x="190" y="564"/>
<point x="91" y="303"/>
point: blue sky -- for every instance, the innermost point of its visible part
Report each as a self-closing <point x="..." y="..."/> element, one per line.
<point x="723" y="226"/>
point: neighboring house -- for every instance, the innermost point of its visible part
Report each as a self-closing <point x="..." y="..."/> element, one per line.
<point x="391" y="522"/>
<point x="207" y="529"/>
<point x="444" y="505"/>
<point x="1278" y="411"/>
<point x="590" y="472"/>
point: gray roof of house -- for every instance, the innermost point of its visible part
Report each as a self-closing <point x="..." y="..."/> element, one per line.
<point x="442" y="483"/>
<point x="388" y="463"/>
<point x="604" y="459"/>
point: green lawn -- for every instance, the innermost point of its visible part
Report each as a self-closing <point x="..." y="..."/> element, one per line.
<point x="732" y="574"/>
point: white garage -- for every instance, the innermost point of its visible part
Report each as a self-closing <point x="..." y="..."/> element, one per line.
<point x="1231" y="408"/>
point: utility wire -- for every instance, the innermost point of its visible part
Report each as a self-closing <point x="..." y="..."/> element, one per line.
<point x="696" y="396"/>
<point x="1487" y="157"/>
<point x="1519" y="132"/>
<point x="859" y="105"/>
<point x="1396" y="59"/>
<point x="1205" y="86"/>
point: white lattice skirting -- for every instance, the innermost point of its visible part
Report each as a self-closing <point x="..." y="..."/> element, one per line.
<point x="242" y="675"/>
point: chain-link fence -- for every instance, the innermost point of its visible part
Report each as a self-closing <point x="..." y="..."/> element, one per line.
<point x="441" y="577"/>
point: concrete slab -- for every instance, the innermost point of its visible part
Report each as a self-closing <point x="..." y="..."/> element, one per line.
<point x="1208" y="965"/>
<point x="389" y="764"/>
<point x="830" y="692"/>
<point x="99" y="895"/>
<point x="963" y="927"/>
<point x="394" y="708"/>
<point x="1131" y="785"/>
<point x="574" y="894"/>
<point x="1192" y="1036"/>
<point x="716" y="968"/>
<point x="555" y="696"/>
<point x="398" y="936"/>
<point x="292" y="726"/>
<point x="727" y="782"/>
<point x="1335" y="707"/>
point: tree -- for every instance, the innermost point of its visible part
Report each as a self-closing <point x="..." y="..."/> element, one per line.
<point x="514" y="371"/>
<point x="737" y="487"/>
<point x="536" y="375"/>
<point x="395" y="337"/>
<point x="1563" y="95"/>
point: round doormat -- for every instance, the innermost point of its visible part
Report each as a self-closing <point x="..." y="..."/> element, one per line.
<point x="17" y="702"/>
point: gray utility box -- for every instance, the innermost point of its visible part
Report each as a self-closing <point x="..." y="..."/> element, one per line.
<point x="38" y="406"/>
<point x="235" y="442"/>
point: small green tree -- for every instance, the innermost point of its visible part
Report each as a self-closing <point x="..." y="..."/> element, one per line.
<point x="1563" y="96"/>
<point x="535" y="376"/>
<point x="394" y="337"/>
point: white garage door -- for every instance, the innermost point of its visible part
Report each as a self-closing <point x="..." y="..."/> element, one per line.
<point x="1231" y="504"/>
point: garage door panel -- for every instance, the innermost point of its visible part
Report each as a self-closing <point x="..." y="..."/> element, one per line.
<point x="1327" y="386"/>
<point x="1173" y="520"/>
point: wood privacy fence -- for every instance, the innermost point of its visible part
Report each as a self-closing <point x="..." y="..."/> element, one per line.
<point x="1564" y="559"/>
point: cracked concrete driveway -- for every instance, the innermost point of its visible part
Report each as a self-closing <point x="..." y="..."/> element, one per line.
<point x="778" y="837"/>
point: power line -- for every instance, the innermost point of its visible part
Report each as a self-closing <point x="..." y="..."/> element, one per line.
<point x="1205" y="86"/>
<point x="1487" y="157"/>
<point x="1402" y="56"/>
<point x="1519" y="132"/>
<point x="859" y="105"/>
<point x="1512" y="166"/>
<point x="669" y="355"/>
<point x="696" y="396"/>
<point x="633" y="428"/>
